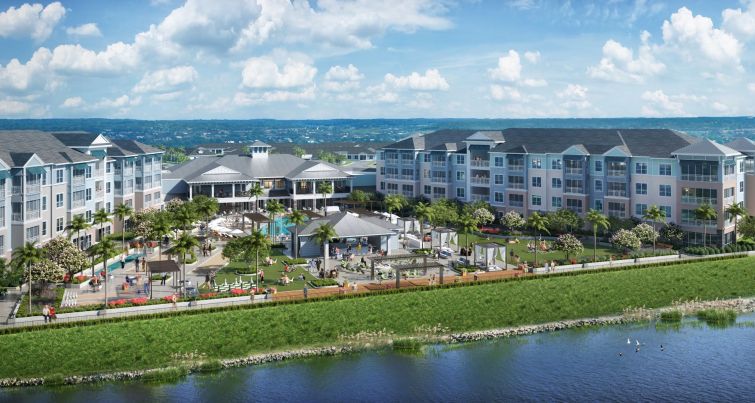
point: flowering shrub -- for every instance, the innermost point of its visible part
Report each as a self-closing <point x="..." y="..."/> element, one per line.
<point x="513" y="220"/>
<point x="208" y="295"/>
<point x="625" y="240"/>
<point x="645" y="233"/>
<point x="117" y="302"/>
<point x="237" y="291"/>
<point x="569" y="244"/>
<point x="171" y="298"/>
<point x="139" y="301"/>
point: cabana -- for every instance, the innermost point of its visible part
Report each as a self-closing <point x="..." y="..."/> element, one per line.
<point x="443" y="237"/>
<point x="160" y="267"/>
<point x="255" y="218"/>
<point x="486" y="254"/>
<point x="409" y="224"/>
<point x="352" y="230"/>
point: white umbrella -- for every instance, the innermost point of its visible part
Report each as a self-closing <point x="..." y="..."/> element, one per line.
<point x="237" y="232"/>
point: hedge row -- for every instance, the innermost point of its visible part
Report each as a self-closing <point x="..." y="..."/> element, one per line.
<point x="712" y="250"/>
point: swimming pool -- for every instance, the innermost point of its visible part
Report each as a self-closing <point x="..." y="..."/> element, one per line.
<point x="129" y="259"/>
<point x="280" y="225"/>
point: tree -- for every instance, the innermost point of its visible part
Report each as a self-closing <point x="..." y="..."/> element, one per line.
<point x="673" y="234"/>
<point x="539" y="224"/>
<point x="569" y="244"/>
<point x="254" y="193"/>
<point x="183" y="217"/>
<point x="513" y="221"/>
<point x="101" y="217"/>
<point x="444" y="211"/>
<point x="27" y="256"/>
<point x="325" y="188"/>
<point x="655" y="215"/>
<point x="625" y="240"/>
<point x="483" y="216"/>
<point x="423" y="211"/>
<point x="298" y="151"/>
<point x="105" y="249"/>
<point x="66" y="255"/>
<point x="734" y="211"/>
<point x="78" y="224"/>
<point x="296" y="218"/>
<point x="247" y="248"/>
<point x="359" y="196"/>
<point x="10" y="276"/>
<point x="394" y="203"/>
<point x="273" y="207"/>
<point x="467" y="224"/>
<point x="598" y="220"/>
<point x="706" y="214"/>
<point x="123" y="212"/>
<point x="323" y="235"/>
<point x="205" y="207"/>
<point x="564" y="220"/>
<point x="183" y="246"/>
<point x="161" y="226"/>
<point x="645" y="233"/>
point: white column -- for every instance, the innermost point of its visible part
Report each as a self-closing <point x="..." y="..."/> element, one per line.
<point x="212" y="190"/>
<point x="233" y="189"/>
<point x="191" y="187"/>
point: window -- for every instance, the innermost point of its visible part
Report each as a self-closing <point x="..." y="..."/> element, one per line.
<point x="699" y="196"/>
<point x="666" y="210"/>
<point x="536" y="182"/>
<point x="617" y="209"/>
<point x="498" y="161"/>
<point x="516" y="200"/>
<point x="108" y="167"/>
<point x="664" y="190"/>
<point x="107" y="187"/>
<point x="574" y="205"/>
<point x="741" y="186"/>
<point x="32" y="234"/>
<point x="641" y="188"/>
<point x="60" y="224"/>
<point x="459" y="175"/>
<point x="89" y="194"/>
<point x="89" y="215"/>
<point x="599" y="205"/>
<point x="537" y="200"/>
<point x="44" y="227"/>
<point x="382" y="185"/>
<point x="741" y="166"/>
<point x="728" y="192"/>
<point x="556" y="183"/>
<point x="516" y="182"/>
<point x="664" y="169"/>
<point x="428" y="189"/>
<point x="156" y="198"/>
<point x="498" y="197"/>
<point x="598" y="166"/>
<point x="460" y="159"/>
<point x="59" y="200"/>
<point x="108" y="207"/>
<point x="574" y="186"/>
<point x="44" y="203"/>
<point x="460" y="193"/>
<point x="382" y="170"/>
<point x="556" y="164"/>
<point x="427" y="157"/>
<point x="598" y="185"/>
<point x="88" y="172"/>
<point x="641" y="168"/>
<point x="498" y="179"/>
<point x="59" y="175"/>
<point x="729" y="167"/>
<point x="556" y="202"/>
<point x="536" y="163"/>
<point x="640" y="209"/>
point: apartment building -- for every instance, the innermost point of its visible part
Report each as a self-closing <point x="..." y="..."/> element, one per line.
<point x="47" y="178"/>
<point x="291" y="180"/>
<point x="620" y="172"/>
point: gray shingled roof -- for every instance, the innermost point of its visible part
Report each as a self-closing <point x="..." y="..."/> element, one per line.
<point x="228" y="148"/>
<point x="334" y="147"/>
<point x="17" y="146"/>
<point x="742" y="144"/>
<point x="125" y="148"/>
<point x="348" y="225"/>
<point x="73" y="139"/>
<point x="706" y="147"/>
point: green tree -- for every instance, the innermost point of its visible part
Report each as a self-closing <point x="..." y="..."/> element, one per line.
<point x="183" y="217"/>
<point x="247" y="249"/>
<point x="184" y="245"/>
<point x="394" y="203"/>
<point x="538" y="223"/>
<point x="274" y="208"/>
<point x="325" y="188"/>
<point x="101" y="217"/>
<point x="105" y="249"/>
<point x="78" y="224"/>
<point x="359" y="196"/>
<point x="654" y="214"/>
<point x="298" y="151"/>
<point x="66" y="255"/>
<point x="568" y="244"/>
<point x="424" y="212"/>
<point x="513" y="221"/>
<point x="747" y="227"/>
<point x="645" y="232"/>
<point x="161" y="226"/>
<point x="706" y="214"/>
<point x="564" y="220"/>
<point x="205" y="207"/>
<point x="597" y="220"/>
<point x="27" y="256"/>
<point x="323" y="235"/>
<point x="467" y="225"/>
<point x="123" y="212"/>
<point x="625" y="240"/>
<point x="734" y="211"/>
<point x="297" y="218"/>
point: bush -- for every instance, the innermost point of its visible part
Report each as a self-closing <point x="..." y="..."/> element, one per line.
<point x="407" y="345"/>
<point x="717" y="317"/>
<point x="210" y="366"/>
<point x="323" y="282"/>
<point x="672" y="316"/>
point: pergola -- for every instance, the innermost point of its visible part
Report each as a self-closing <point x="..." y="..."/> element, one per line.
<point x="160" y="267"/>
<point x="412" y="265"/>
<point x="442" y="236"/>
<point x="486" y="253"/>
<point x="255" y="218"/>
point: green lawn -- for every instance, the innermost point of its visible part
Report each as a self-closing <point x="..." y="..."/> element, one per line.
<point x="272" y="273"/>
<point x="153" y="343"/>
<point x="525" y="255"/>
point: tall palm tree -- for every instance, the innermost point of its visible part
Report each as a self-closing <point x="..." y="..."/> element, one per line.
<point x="105" y="249"/>
<point x="27" y="255"/>
<point x="735" y="210"/>
<point x="258" y="242"/>
<point x="706" y="213"/>
<point x="183" y="217"/>
<point x="296" y="218"/>
<point x="123" y="211"/>
<point x="423" y="212"/>
<point x="205" y="207"/>
<point x="655" y="215"/>
<point x="467" y="225"/>
<point x="597" y="219"/>
<point x="184" y="245"/>
<point x="394" y="203"/>
<point x="539" y="224"/>
<point x="325" y="188"/>
<point x="78" y="224"/>
<point x="273" y="207"/>
<point x="101" y="217"/>
<point x="255" y="192"/>
<point x="323" y="235"/>
<point x="161" y="227"/>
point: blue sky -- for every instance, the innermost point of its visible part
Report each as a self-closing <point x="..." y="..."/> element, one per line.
<point x="172" y="59"/>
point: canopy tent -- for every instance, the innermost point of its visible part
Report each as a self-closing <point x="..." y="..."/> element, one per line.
<point x="160" y="267"/>
<point x="443" y="237"/>
<point x="487" y="254"/>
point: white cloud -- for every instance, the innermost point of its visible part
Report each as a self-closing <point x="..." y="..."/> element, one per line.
<point x="265" y="72"/>
<point x="32" y="75"/>
<point x="248" y="99"/>
<point x="509" y="68"/>
<point x="532" y="57"/>
<point x="89" y="29"/>
<point x="116" y="58"/>
<point x="342" y="79"/>
<point x="751" y="87"/>
<point x="720" y="107"/>
<point x="660" y="104"/>
<point x="73" y="103"/>
<point x="574" y="96"/>
<point x="432" y="80"/>
<point x="166" y="81"/>
<point x="695" y="35"/>
<point x="31" y="20"/>
<point x="379" y="93"/>
<point x="123" y="101"/>
<point x="422" y="100"/>
<point x="505" y="93"/>
<point x="619" y="64"/>
<point x="10" y="107"/>
<point x="534" y="82"/>
<point x="740" y="23"/>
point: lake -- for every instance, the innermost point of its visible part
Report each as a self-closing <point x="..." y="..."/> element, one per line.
<point x="697" y="363"/>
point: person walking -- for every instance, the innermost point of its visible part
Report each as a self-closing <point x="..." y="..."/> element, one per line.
<point x="146" y="286"/>
<point x="144" y="264"/>
<point x="136" y="264"/>
<point x="46" y="312"/>
<point x="164" y="278"/>
<point x="306" y="291"/>
<point x="123" y="262"/>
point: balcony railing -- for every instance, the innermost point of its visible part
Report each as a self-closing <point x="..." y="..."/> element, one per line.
<point x="574" y="189"/>
<point x="480" y="163"/>
<point x="32" y="239"/>
<point x="439" y="164"/>
<point x="515" y="186"/>
<point x="78" y="180"/>
<point x="616" y="193"/>
<point x="476" y="197"/>
<point x="33" y="214"/>
<point x="16" y="189"/>
<point x="700" y="178"/>
<point x="391" y="161"/>
<point x="76" y="203"/>
<point x="480" y="181"/>
<point x="574" y="171"/>
<point x="616" y="172"/>
<point x="18" y="217"/>
<point x="699" y="200"/>
<point x="515" y="168"/>
<point x="617" y="213"/>
<point x="436" y="179"/>
<point x="513" y="203"/>
<point x="408" y="194"/>
<point x="32" y="188"/>
<point x="128" y="171"/>
<point x="407" y="161"/>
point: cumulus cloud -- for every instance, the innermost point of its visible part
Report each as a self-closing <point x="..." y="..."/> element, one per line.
<point x="751" y="87"/>
<point x="379" y="93"/>
<point x="532" y="57"/>
<point x="432" y="80"/>
<point x="265" y="72"/>
<point x="31" y="20"/>
<point x="505" y="93"/>
<point x="117" y="57"/>
<point x="619" y="64"/>
<point x="574" y="96"/>
<point x="10" y="107"/>
<point x="166" y="81"/>
<point x="695" y="35"/>
<point x="248" y="99"/>
<point x="89" y="29"/>
<point x="509" y="67"/>
<point x="660" y="104"/>
<point x="740" y="23"/>
<point x="342" y="79"/>
<point x="72" y="103"/>
<point x="19" y="77"/>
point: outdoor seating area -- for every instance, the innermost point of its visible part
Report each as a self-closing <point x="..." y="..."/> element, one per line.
<point x="239" y="284"/>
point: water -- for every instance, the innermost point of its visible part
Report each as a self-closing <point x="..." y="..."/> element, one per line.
<point x="280" y="226"/>
<point x="129" y="259"/>
<point x="698" y="364"/>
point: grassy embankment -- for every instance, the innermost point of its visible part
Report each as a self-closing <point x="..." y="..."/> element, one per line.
<point x="140" y="344"/>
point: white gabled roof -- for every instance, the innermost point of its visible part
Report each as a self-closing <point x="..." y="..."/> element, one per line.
<point x="707" y="147"/>
<point x="577" y="149"/>
<point x="221" y="170"/>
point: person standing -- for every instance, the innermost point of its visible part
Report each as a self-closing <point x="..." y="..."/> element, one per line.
<point x="52" y="313"/>
<point x="164" y="278"/>
<point x="136" y="264"/>
<point x="262" y="276"/>
<point x="123" y="262"/>
<point x="144" y="264"/>
<point x="306" y="291"/>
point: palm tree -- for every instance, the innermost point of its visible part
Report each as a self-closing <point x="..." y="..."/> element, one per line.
<point x="706" y="213"/>
<point x="655" y="215"/>
<point x="183" y="217"/>
<point x="184" y="245"/>
<point x="394" y="203"/>
<point x="539" y="224"/>
<point x="105" y="249"/>
<point x="123" y="211"/>
<point x="27" y="255"/>
<point x="597" y="219"/>
<point x="101" y="217"/>
<point x="273" y="207"/>
<point x="323" y="235"/>
<point x="161" y="227"/>
<point x="78" y="224"/>
<point x="467" y="224"/>
<point x="735" y="210"/>
<point x="296" y="218"/>
<point x="325" y="188"/>
<point x="255" y="192"/>
<point x="258" y="242"/>
<point x="423" y="212"/>
<point x="205" y="207"/>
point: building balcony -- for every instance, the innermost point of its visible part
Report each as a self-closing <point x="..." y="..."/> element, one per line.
<point x="391" y="161"/>
<point x="480" y="181"/>
<point x="33" y="214"/>
<point x="78" y="203"/>
<point x="575" y="190"/>
<point x="700" y="178"/>
<point x="699" y="200"/>
<point x="480" y="163"/>
<point x="617" y="173"/>
<point x="516" y="203"/>
<point x="515" y="168"/>
<point x="17" y="217"/>
<point x="515" y="186"/>
<point x="438" y="180"/>
<point x="574" y="171"/>
<point x="16" y="189"/>
<point x="617" y="213"/>
<point x="78" y="181"/>
<point x="476" y="197"/>
<point x="438" y="164"/>
<point x="32" y="188"/>
<point x="616" y="193"/>
<point x="408" y="194"/>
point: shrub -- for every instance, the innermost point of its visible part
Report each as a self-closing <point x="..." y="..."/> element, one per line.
<point x="672" y="316"/>
<point x="139" y="301"/>
<point x="323" y="282"/>
<point x="210" y="366"/>
<point x="717" y="317"/>
<point x="407" y="345"/>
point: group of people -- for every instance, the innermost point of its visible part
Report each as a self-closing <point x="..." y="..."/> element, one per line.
<point x="541" y="246"/>
<point x="48" y="312"/>
<point x="206" y="249"/>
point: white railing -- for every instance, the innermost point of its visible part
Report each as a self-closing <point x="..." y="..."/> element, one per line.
<point x="78" y="203"/>
<point x="574" y="171"/>
<point x="616" y="172"/>
<point x="480" y="181"/>
<point x="480" y="163"/>
<point x="700" y="178"/>
<point x="33" y="214"/>
<point x="618" y="193"/>
<point x="699" y="200"/>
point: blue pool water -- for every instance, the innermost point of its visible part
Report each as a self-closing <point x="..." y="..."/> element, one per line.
<point x="280" y="224"/>
<point x="129" y="260"/>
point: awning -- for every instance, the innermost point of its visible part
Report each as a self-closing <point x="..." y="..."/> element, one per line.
<point x="99" y="153"/>
<point x="81" y="166"/>
<point x="163" y="266"/>
<point x="35" y="170"/>
<point x="4" y="174"/>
